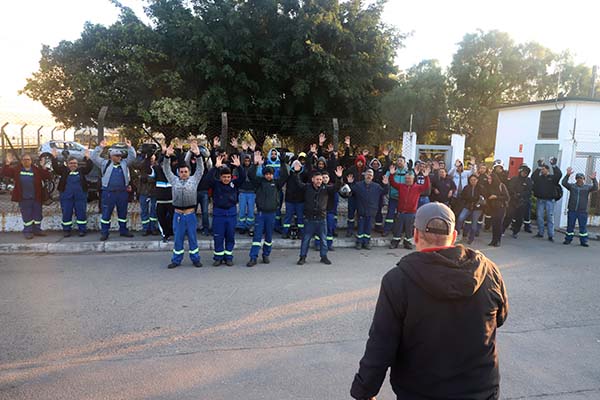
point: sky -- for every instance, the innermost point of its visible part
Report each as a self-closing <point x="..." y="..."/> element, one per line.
<point x="436" y="27"/>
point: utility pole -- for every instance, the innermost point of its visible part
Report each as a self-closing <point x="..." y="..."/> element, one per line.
<point x="594" y="77"/>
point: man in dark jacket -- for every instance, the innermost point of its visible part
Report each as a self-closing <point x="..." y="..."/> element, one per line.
<point x="579" y="194"/>
<point x="294" y="201"/>
<point x="435" y="320"/>
<point x="27" y="192"/>
<point x="316" y="196"/>
<point x="519" y="188"/>
<point x="73" y="191"/>
<point x="247" y="197"/>
<point x="268" y="190"/>
<point x="545" y="189"/>
<point x="367" y="194"/>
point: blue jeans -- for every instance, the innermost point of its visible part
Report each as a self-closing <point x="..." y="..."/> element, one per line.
<point x="203" y="203"/>
<point x="391" y="213"/>
<point x="185" y="225"/>
<point x="246" y="213"/>
<point x="331" y="224"/>
<point x="581" y="217"/>
<point x="292" y="209"/>
<point x="265" y="223"/>
<point x="545" y="207"/>
<point x="312" y="228"/>
<point x="148" y="212"/>
<point x="468" y="222"/>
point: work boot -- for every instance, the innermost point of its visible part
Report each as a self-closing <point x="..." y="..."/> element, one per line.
<point x="128" y="234"/>
<point x="585" y="245"/>
<point x="301" y="261"/>
<point x="367" y="246"/>
<point x="217" y="263"/>
<point x="394" y="244"/>
<point x="358" y="246"/>
<point x="67" y="234"/>
<point x="251" y="263"/>
<point x="407" y="245"/>
<point x="567" y="242"/>
<point x="538" y="235"/>
<point x="82" y="233"/>
<point x="172" y="265"/>
<point x="266" y="260"/>
<point x="103" y="238"/>
<point x="40" y="233"/>
<point x="28" y="236"/>
<point x="325" y="260"/>
<point x="229" y="263"/>
<point x="551" y="239"/>
<point x="197" y="264"/>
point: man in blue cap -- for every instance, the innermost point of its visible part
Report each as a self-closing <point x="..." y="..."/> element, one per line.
<point x="578" y="205"/>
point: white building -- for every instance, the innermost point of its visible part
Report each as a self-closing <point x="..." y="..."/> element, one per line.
<point x="567" y="128"/>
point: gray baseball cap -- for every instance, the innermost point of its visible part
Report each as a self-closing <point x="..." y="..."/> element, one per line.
<point x="434" y="211"/>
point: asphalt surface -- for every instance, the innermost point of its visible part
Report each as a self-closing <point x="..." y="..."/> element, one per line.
<point x="121" y="326"/>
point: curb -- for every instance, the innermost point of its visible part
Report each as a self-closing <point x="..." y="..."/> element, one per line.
<point x="154" y="246"/>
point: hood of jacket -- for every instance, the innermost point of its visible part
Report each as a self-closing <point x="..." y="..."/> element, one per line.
<point x="452" y="273"/>
<point x="268" y="159"/>
<point x="323" y="159"/>
<point x="362" y="158"/>
<point x="375" y="160"/>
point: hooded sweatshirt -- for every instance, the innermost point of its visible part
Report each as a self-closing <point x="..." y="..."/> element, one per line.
<point x="435" y="325"/>
<point x="357" y="171"/>
<point x="275" y="164"/>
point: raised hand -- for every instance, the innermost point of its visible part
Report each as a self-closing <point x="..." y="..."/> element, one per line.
<point x="436" y="165"/>
<point x="128" y="142"/>
<point x="87" y="153"/>
<point x="330" y="148"/>
<point x="339" y="171"/>
<point x="322" y="138"/>
<point x="103" y="143"/>
<point x="234" y="142"/>
<point x="9" y="158"/>
<point x="258" y="158"/>
<point x="365" y="152"/>
<point x="427" y="171"/>
<point x="569" y="171"/>
<point x="164" y="148"/>
<point x="457" y="163"/>
<point x="170" y="150"/>
<point x="386" y="151"/>
<point x="216" y="142"/>
<point x="350" y="178"/>
<point x="385" y="179"/>
<point x="219" y="162"/>
<point x="235" y="160"/>
<point x="347" y="141"/>
<point x="55" y="153"/>
<point x="194" y="148"/>
<point x="593" y="175"/>
<point x="313" y="148"/>
<point x="392" y="169"/>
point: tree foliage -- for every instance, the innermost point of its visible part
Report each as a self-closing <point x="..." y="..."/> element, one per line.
<point x="276" y="66"/>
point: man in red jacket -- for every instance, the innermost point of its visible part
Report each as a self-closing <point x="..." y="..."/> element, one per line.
<point x="408" y="200"/>
<point x="27" y="192"/>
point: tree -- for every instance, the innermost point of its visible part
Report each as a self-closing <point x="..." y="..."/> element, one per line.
<point x="276" y="66"/>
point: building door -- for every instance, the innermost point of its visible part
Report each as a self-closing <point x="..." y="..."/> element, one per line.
<point x="513" y="166"/>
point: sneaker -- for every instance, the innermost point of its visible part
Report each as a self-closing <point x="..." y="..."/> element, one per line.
<point x="585" y="245"/>
<point x="216" y="263"/>
<point x="82" y="234"/>
<point x="367" y="246"/>
<point x="198" y="264"/>
<point x="325" y="260"/>
<point x="229" y="263"/>
<point x="551" y="239"/>
<point x="266" y="260"/>
<point x="67" y="234"/>
<point x="358" y="246"/>
<point x="128" y="234"/>
<point x="103" y="238"/>
<point x="172" y="265"/>
<point x="394" y="244"/>
<point x="407" y="245"/>
<point x="251" y="263"/>
<point x="39" y="233"/>
<point x="538" y="235"/>
<point x="301" y="261"/>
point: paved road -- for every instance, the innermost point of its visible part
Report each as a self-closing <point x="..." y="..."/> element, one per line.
<point x="121" y="326"/>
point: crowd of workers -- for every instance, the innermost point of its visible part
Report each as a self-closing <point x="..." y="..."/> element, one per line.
<point x="248" y="190"/>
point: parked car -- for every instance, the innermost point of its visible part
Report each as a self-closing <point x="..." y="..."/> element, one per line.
<point x="65" y="149"/>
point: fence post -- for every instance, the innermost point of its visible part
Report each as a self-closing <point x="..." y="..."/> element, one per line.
<point x="3" y="144"/>
<point x="65" y="134"/>
<point x="101" y="116"/>
<point x="75" y="134"/>
<point x="52" y="133"/>
<point x="336" y="134"/>
<point x="38" y="136"/>
<point x="224" y="127"/>
<point x="22" y="139"/>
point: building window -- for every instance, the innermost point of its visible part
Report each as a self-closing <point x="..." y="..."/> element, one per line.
<point x="549" y="123"/>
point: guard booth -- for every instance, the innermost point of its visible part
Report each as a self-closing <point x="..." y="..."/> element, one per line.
<point x="413" y="151"/>
<point x="435" y="153"/>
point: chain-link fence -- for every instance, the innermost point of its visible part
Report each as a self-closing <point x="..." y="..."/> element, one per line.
<point x="586" y="160"/>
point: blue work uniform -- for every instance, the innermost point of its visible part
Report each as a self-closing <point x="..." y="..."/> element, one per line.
<point x="31" y="210"/>
<point x="74" y="197"/>
<point x="115" y="195"/>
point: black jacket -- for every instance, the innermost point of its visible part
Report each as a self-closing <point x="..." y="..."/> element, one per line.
<point x="545" y="186"/>
<point x="293" y="192"/>
<point x="520" y="190"/>
<point x="267" y="192"/>
<point x="435" y="325"/>
<point x="473" y="197"/>
<point x="63" y="171"/>
<point x="316" y="199"/>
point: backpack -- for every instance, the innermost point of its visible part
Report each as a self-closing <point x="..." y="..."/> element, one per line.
<point x="558" y="192"/>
